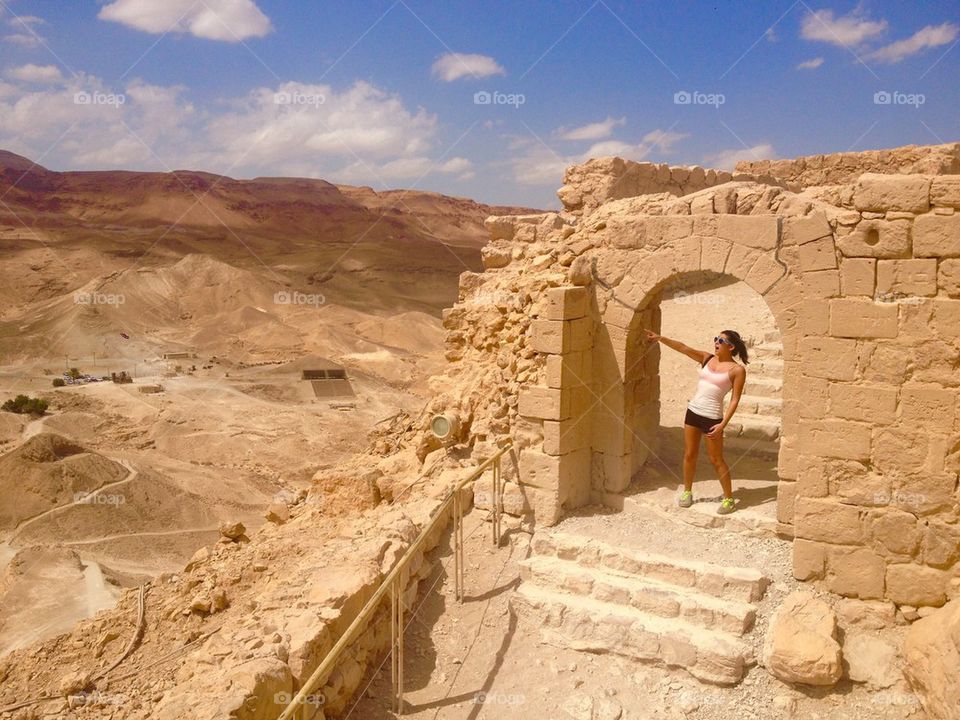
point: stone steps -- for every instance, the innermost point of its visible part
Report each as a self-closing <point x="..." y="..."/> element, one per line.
<point x="753" y="427"/>
<point x="591" y="625"/>
<point x="756" y="405"/>
<point x="646" y="594"/>
<point x="739" y="584"/>
<point x="586" y="594"/>
<point x="764" y="387"/>
<point x="769" y="449"/>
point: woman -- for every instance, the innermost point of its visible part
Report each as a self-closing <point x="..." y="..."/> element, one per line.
<point x="705" y="410"/>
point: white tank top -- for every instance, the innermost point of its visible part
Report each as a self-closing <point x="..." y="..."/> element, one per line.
<point x="711" y="389"/>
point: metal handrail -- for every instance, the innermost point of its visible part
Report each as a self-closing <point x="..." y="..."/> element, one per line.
<point x="390" y="583"/>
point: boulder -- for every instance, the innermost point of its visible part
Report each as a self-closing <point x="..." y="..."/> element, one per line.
<point x="801" y="645"/>
<point x="870" y="659"/>
<point x="932" y="658"/>
<point x="232" y="530"/>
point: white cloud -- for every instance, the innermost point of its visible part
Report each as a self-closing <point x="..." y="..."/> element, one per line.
<point x="454" y="66"/>
<point x="846" y="31"/>
<point x="929" y="37"/>
<point x="811" y="64"/>
<point x="727" y="159"/>
<point x="23" y="39"/>
<point x="360" y="134"/>
<point x="39" y="74"/>
<point x="771" y="35"/>
<point x="228" y="20"/>
<point x="535" y="164"/>
<point x="592" y="131"/>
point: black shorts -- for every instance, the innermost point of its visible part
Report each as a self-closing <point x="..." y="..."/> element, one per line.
<point x="699" y="421"/>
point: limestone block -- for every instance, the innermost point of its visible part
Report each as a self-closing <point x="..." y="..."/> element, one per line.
<point x="800" y="645"/>
<point x="818" y="255"/>
<point x="855" y="572"/>
<point x="945" y="191"/>
<point x="936" y="236"/>
<point x="544" y="402"/>
<point x="835" y="438"/>
<point x="809" y="559"/>
<point x="898" y="451"/>
<point x="547" y="336"/>
<point x="804" y="229"/>
<point x="866" y="614"/>
<point x="894" y="532"/>
<point x="705" y="225"/>
<point x="500" y="227"/>
<point x="822" y="284"/>
<point x="755" y="231"/>
<point x="580" y="334"/>
<point x="566" y="303"/>
<point x="786" y="497"/>
<point x="871" y="403"/>
<point x="907" y="277"/>
<point x="663" y="229"/>
<point x="941" y="544"/>
<point x="931" y="651"/>
<point x="702" y="204"/>
<point x="713" y="254"/>
<point x="764" y="273"/>
<point x="561" y="437"/>
<point x="495" y="257"/>
<point x="811" y="478"/>
<point x="740" y="260"/>
<point x="858" y="318"/>
<point x="557" y="473"/>
<point x="948" y="277"/>
<point x="565" y="370"/>
<point x="921" y="404"/>
<point x="946" y="318"/>
<point x="879" y="193"/>
<point x="827" y="521"/>
<point x="911" y="584"/>
<point x="545" y="505"/>
<point x="877" y="239"/>
<point x="830" y="358"/>
<point x="687" y="252"/>
<point x="858" y="276"/>
<point x="618" y="313"/>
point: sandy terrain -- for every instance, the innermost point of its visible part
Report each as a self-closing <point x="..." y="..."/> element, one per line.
<point x="255" y="282"/>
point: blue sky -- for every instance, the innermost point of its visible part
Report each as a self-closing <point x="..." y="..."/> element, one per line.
<point x="392" y="94"/>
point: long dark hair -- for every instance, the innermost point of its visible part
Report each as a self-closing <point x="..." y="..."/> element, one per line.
<point x="739" y="346"/>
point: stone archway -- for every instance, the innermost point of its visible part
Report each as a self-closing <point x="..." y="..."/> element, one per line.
<point x="626" y="368"/>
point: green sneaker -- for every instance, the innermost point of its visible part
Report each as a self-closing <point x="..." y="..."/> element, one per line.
<point x="686" y="499"/>
<point x="727" y="506"/>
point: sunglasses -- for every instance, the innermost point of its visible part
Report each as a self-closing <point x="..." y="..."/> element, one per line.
<point x="722" y="340"/>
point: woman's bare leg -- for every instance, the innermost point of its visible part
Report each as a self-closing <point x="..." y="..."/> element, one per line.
<point x="691" y="447"/>
<point x="715" y="453"/>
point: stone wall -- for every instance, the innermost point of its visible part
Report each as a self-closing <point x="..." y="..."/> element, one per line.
<point x="590" y="184"/>
<point x="864" y="283"/>
<point x="839" y="168"/>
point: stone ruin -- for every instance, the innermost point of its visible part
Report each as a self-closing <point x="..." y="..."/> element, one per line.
<point x="863" y="279"/>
